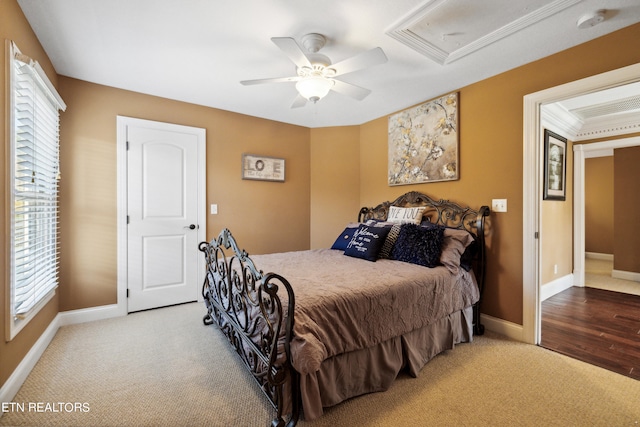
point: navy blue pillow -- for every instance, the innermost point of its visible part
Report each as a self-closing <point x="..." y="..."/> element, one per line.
<point x="343" y="239"/>
<point x="466" y="259"/>
<point x="419" y="245"/>
<point x="367" y="242"/>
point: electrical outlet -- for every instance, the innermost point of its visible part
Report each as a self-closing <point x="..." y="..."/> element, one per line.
<point x="499" y="205"/>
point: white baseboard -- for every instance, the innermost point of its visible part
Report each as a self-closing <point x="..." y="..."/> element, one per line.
<point x="10" y="388"/>
<point x="12" y="385"/>
<point x="556" y="286"/>
<point x="502" y="327"/>
<point x="596" y="255"/>
<point x="84" y="315"/>
<point x="626" y="275"/>
<point x="14" y="382"/>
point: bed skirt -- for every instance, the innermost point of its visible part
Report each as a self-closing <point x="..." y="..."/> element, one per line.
<point x="374" y="369"/>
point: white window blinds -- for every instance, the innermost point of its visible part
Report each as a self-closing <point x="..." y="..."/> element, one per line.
<point x="34" y="186"/>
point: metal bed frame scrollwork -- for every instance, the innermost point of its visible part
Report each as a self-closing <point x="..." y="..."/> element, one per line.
<point x="451" y="215"/>
<point x="258" y="321"/>
<point x="245" y="304"/>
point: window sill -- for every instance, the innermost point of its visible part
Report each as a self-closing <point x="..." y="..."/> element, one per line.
<point x="16" y="324"/>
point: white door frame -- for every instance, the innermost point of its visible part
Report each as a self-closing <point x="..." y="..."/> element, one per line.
<point x="532" y="176"/>
<point x="580" y="153"/>
<point x="122" y="123"/>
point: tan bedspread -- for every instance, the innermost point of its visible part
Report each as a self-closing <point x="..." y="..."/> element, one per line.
<point x="344" y="303"/>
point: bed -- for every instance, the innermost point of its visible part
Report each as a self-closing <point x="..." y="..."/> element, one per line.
<point x="399" y="286"/>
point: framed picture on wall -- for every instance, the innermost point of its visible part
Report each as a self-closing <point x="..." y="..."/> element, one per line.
<point x="262" y="168"/>
<point x="555" y="166"/>
<point x="423" y="143"/>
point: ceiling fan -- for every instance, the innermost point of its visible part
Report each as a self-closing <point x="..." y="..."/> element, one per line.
<point x="316" y="76"/>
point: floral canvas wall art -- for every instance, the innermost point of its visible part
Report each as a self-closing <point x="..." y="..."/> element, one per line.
<point x="423" y="142"/>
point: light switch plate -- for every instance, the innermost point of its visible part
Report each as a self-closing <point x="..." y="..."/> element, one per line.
<point x="214" y="209"/>
<point x="499" y="205"/>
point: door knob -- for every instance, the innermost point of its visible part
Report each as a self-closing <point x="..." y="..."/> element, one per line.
<point x="191" y="227"/>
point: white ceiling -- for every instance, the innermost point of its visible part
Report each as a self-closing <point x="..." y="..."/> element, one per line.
<point x="198" y="51"/>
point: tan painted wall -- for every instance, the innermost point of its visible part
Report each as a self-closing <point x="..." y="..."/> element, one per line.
<point x="88" y="203"/>
<point x="14" y="26"/>
<point x="491" y="156"/>
<point x="488" y="164"/>
<point x="626" y="246"/>
<point x="598" y="205"/>
<point x="335" y="182"/>
<point x="490" y="167"/>
<point x="556" y="238"/>
<point x="88" y="185"/>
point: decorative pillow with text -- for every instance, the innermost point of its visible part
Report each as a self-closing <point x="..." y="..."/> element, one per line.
<point x="405" y="215"/>
<point x="345" y="237"/>
<point x="367" y="242"/>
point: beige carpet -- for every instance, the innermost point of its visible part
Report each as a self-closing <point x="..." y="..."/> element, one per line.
<point x="598" y="275"/>
<point x="165" y="368"/>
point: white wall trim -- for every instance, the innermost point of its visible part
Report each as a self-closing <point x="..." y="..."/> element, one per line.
<point x="18" y="377"/>
<point x="605" y="152"/>
<point x="532" y="176"/>
<point x="603" y="127"/>
<point x="502" y="327"/>
<point x="598" y="256"/>
<point x="121" y="181"/>
<point x="626" y="275"/>
<point x="555" y="287"/>
<point x="599" y="149"/>
<point x="559" y="120"/>
<point x="14" y="382"/>
<point x="580" y="153"/>
<point x="579" y="219"/>
<point x="84" y="315"/>
<point x="11" y="387"/>
<point x="122" y="200"/>
<point x="531" y="217"/>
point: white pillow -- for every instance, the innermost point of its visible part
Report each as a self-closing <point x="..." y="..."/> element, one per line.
<point x="405" y="215"/>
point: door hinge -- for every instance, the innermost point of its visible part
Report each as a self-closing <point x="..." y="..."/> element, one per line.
<point x="127" y="292"/>
<point x="127" y="144"/>
<point x="536" y="235"/>
<point x="127" y="219"/>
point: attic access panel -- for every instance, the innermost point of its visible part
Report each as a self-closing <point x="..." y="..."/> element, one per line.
<point x="447" y="30"/>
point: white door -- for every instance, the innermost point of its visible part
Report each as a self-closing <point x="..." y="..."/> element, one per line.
<point x="163" y="214"/>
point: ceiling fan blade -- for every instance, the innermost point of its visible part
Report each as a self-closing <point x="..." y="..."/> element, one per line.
<point x="348" y="89"/>
<point x="366" y="59"/>
<point x="274" y="80"/>
<point x="300" y="101"/>
<point x="292" y="50"/>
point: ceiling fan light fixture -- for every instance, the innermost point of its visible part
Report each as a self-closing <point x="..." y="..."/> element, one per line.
<point x="315" y="72"/>
<point x="314" y="88"/>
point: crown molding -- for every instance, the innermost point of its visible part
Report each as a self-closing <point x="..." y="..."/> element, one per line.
<point x="402" y="31"/>
<point x="557" y="118"/>
<point x="602" y="127"/>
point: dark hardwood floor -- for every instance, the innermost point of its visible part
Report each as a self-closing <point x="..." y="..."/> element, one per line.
<point x="596" y="326"/>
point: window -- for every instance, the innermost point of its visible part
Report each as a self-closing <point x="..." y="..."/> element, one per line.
<point x="34" y="168"/>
